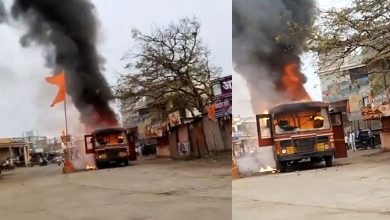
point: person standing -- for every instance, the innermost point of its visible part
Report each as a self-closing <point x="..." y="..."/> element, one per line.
<point x="352" y="141"/>
<point x="371" y="138"/>
<point x="346" y="140"/>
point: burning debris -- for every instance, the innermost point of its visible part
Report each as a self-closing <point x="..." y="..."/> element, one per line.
<point x="90" y="167"/>
<point x="67" y="29"/>
<point x="268" y="37"/>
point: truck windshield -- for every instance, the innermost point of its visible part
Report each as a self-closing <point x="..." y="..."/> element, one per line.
<point x="301" y="120"/>
<point x="111" y="138"/>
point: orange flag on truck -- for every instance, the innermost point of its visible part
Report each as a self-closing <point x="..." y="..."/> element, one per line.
<point x="58" y="80"/>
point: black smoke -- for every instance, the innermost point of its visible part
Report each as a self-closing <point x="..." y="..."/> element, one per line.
<point x="68" y="29"/>
<point x="2" y="12"/>
<point x="267" y="35"/>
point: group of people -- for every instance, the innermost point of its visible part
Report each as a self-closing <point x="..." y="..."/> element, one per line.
<point x="352" y="137"/>
<point x="350" y="140"/>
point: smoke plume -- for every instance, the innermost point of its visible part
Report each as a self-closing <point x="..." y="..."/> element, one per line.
<point x="68" y="29"/>
<point x="2" y="12"/>
<point x="268" y="37"/>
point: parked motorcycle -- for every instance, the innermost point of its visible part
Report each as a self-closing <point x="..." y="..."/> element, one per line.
<point x="7" y="166"/>
<point x="42" y="162"/>
<point x="59" y="161"/>
<point x="365" y="140"/>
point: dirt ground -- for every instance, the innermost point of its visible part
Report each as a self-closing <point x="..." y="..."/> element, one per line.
<point x="150" y="189"/>
<point x="355" y="188"/>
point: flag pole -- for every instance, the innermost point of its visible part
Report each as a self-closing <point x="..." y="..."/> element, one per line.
<point x="66" y="120"/>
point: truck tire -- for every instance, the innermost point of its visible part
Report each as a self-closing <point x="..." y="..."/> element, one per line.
<point x="281" y="166"/>
<point x="126" y="163"/>
<point x="328" y="161"/>
<point x="100" y="165"/>
<point x="315" y="160"/>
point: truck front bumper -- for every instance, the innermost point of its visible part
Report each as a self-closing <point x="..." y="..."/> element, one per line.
<point x="302" y="156"/>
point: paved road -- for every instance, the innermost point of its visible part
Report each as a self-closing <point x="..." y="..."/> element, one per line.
<point x="356" y="188"/>
<point x="158" y="189"/>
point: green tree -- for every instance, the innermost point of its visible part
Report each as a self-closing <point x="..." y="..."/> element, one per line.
<point x="169" y="64"/>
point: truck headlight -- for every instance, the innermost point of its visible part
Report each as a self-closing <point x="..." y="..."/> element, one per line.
<point x="122" y="154"/>
<point x="102" y="156"/>
<point x="326" y="146"/>
<point x="284" y="151"/>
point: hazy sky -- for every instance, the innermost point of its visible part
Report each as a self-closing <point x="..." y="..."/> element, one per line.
<point x="26" y="96"/>
<point x="241" y="97"/>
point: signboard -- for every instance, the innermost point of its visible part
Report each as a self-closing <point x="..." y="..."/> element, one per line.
<point x="174" y="119"/>
<point x="65" y="138"/>
<point x="375" y="112"/>
<point x="222" y="89"/>
<point x="154" y="131"/>
<point x="183" y="148"/>
<point x="338" y="91"/>
<point x="355" y="103"/>
<point x="379" y="88"/>
<point x="360" y="86"/>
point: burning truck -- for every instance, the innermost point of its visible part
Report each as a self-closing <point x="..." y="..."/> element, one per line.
<point x="299" y="131"/>
<point x="110" y="146"/>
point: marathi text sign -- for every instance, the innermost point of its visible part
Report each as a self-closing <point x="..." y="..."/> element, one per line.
<point x="222" y="89"/>
<point x="375" y="112"/>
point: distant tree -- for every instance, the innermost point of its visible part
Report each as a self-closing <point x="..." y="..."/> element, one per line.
<point x="362" y="27"/>
<point x="169" y="64"/>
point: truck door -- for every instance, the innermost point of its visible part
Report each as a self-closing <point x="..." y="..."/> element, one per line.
<point x="89" y="145"/>
<point x="132" y="152"/>
<point x="264" y="131"/>
<point x="338" y="135"/>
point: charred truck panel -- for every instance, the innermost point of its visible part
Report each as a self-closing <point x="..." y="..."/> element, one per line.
<point x="298" y="131"/>
<point x="110" y="145"/>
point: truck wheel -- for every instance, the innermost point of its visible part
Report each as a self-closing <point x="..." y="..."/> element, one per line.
<point x="281" y="166"/>
<point x="100" y="165"/>
<point x="329" y="161"/>
<point x="315" y="160"/>
<point x="126" y="163"/>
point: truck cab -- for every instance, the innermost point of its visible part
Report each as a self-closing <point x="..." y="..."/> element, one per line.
<point x="110" y="146"/>
<point x="300" y="131"/>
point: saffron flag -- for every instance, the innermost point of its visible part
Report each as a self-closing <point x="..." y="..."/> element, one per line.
<point x="58" y="80"/>
<point x="211" y="111"/>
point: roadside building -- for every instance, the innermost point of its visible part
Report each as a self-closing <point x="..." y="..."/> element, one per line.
<point x="16" y="149"/>
<point x="244" y="127"/>
<point x="350" y="87"/>
<point x="177" y="132"/>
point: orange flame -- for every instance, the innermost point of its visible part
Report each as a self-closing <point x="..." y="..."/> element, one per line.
<point x="292" y="85"/>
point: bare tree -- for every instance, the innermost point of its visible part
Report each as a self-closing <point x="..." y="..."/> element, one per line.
<point x="362" y="27"/>
<point x="170" y="64"/>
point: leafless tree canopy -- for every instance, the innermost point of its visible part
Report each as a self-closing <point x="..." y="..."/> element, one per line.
<point x="171" y="63"/>
<point x="363" y="27"/>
